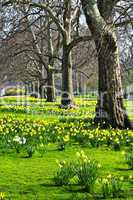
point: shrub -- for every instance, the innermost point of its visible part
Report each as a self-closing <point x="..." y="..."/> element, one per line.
<point x="2" y="196"/>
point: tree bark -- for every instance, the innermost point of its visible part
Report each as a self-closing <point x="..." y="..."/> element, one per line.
<point x="67" y="84"/>
<point x="110" y="108"/>
<point x="50" y="70"/>
<point x="50" y="86"/>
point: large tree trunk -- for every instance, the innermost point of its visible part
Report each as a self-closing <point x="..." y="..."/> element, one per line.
<point x="110" y="109"/>
<point x="50" y="70"/>
<point x="42" y="91"/>
<point x="50" y="86"/>
<point x="67" y="85"/>
<point x="80" y="89"/>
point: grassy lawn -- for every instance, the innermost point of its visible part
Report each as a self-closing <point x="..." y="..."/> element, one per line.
<point x="23" y="178"/>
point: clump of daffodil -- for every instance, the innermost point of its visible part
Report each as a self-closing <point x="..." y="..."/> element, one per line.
<point x="130" y="177"/>
<point x="61" y="163"/>
<point x="82" y="156"/>
<point x="111" y="187"/>
<point x="105" y="181"/>
<point x="121" y="178"/>
<point x="123" y="153"/>
<point x="109" y="176"/>
<point x="2" y="195"/>
<point x="85" y="171"/>
<point x="129" y="158"/>
<point x="66" y="138"/>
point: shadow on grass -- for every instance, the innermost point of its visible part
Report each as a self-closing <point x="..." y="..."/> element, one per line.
<point x="48" y="185"/>
<point x="123" y="169"/>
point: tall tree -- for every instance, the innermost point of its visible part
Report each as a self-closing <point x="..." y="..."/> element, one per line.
<point x="110" y="107"/>
<point x="34" y="33"/>
<point x="68" y="11"/>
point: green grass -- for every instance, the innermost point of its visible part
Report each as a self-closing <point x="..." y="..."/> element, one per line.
<point x="24" y="178"/>
<point x="40" y="109"/>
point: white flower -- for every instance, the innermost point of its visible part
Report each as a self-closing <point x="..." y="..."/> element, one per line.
<point x="23" y="140"/>
<point x="17" y="139"/>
